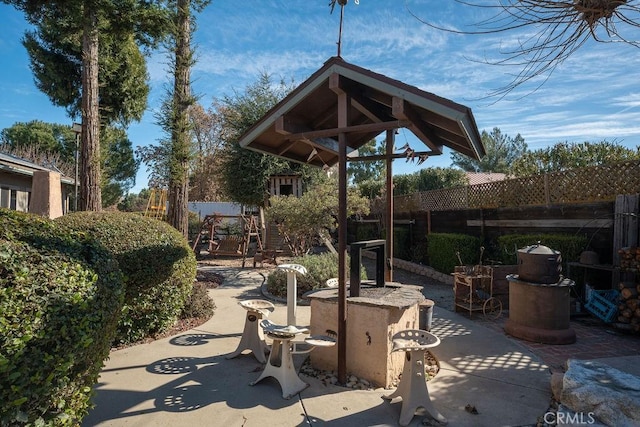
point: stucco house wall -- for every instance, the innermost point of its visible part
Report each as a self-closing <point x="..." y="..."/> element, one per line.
<point x="16" y="186"/>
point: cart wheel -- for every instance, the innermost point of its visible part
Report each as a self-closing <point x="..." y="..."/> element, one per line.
<point x="492" y="308"/>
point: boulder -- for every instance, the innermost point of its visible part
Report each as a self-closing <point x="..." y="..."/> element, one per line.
<point x="612" y="396"/>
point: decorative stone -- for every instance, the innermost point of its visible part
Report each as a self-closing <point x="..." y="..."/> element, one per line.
<point x="611" y="395"/>
<point x="557" y="379"/>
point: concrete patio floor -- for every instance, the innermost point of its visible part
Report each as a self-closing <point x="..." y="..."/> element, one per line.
<point x="186" y="380"/>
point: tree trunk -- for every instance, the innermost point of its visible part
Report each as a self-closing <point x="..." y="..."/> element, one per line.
<point x="178" y="215"/>
<point x="90" y="193"/>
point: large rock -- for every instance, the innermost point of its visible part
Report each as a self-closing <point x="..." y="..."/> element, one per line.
<point x="611" y="395"/>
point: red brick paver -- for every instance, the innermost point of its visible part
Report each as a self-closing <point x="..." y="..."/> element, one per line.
<point x="594" y="340"/>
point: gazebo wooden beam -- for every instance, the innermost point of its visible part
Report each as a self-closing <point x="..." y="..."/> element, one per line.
<point x="286" y="125"/>
<point x="376" y="157"/>
<point x="343" y="122"/>
<point x="368" y="128"/>
<point x="402" y="111"/>
<point x="372" y="110"/>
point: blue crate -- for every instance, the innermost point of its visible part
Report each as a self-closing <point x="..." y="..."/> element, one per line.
<point x="604" y="304"/>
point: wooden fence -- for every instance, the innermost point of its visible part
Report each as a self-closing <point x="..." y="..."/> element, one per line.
<point x="583" y="185"/>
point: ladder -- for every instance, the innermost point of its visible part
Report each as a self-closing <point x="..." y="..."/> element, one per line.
<point x="157" y="205"/>
<point x="209" y="226"/>
<point x="250" y="230"/>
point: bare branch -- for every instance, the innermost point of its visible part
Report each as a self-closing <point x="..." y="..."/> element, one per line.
<point x="558" y="30"/>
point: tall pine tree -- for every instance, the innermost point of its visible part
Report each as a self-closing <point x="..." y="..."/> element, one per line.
<point x="65" y="53"/>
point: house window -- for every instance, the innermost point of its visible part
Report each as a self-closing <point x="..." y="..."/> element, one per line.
<point x="5" y="198"/>
<point x="286" y="189"/>
<point x="14" y="199"/>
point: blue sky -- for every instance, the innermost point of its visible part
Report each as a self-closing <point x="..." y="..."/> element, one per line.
<point x="593" y="96"/>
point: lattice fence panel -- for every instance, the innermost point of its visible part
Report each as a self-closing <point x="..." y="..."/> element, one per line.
<point x="444" y="199"/>
<point x="513" y="192"/>
<point x="406" y="203"/>
<point x="592" y="184"/>
<point x="598" y="183"/>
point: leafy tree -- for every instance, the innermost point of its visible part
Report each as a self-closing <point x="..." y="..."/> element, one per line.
<point x="47" y="137"/>
<point x="51" y="144"/>
<point x="120" y="165"/>
<point x="207" y="131"/>
<point x="65" y="50"/>
<point x="501" y="152"/>
<point x="368" y="176"/>
<point x="170" y="160"/>
<point x="371" y="188"/>
<point x="367" y="170"/>
<point x="428" y="179"/>
<point x="565" y="155"/>
<point x="302" y="220"/>
<point x="177" y="122"/>
<point x="156" y="157"/>
<point x="245" y="172"/>
<point x="135" y="202"/>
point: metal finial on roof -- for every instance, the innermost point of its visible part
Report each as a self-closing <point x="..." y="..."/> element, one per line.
<point x="342" y="4"/>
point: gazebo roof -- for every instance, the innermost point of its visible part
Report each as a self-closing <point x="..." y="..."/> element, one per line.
<point x="303" y="127"/>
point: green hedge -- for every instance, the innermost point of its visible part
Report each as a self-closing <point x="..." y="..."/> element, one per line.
<point x="401" y="243"/>
<point x="158" y="264"/>
<point x="320" y="267"/>
<point x="569" y="245"/>
<point x="60" y="299"/>
<point x="442" y="249"/>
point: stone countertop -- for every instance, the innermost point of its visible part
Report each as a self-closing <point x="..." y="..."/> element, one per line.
<point x="393" y="294"/>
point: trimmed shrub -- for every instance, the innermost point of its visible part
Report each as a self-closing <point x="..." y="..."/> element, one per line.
<point x="366" y="231"/>
<point x="401" y="245"/>
<point x="319" y="267"/>
<point x="199" y="304"/>
<point x="60" y="299"/>
<point x="569" y="245"/>
<point x="157" y="262"/>
<point x="442" y="249"/>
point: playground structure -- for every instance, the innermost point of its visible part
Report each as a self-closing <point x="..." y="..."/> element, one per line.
<point x="216" y="232"/>
<point x="157" y="205"/>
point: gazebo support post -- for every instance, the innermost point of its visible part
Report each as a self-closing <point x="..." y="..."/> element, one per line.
<point x="388" y="271"/>
<point x="343" y="108"/>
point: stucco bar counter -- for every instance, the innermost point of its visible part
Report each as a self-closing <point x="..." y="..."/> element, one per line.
<point x="373" y="318"/>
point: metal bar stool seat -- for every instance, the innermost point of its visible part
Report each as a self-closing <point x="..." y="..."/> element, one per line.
<point x="252" y="336"/>
<point x="413" y="385"/>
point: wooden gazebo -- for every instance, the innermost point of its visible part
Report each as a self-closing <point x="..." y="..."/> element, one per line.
<point x="339" y="109"/>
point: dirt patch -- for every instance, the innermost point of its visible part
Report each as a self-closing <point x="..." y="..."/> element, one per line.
<point x="210" y="279"/>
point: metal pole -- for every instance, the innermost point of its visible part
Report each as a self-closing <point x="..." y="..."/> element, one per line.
<point x="292" y="290"/>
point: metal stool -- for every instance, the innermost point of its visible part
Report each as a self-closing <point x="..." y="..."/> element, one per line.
<point x="252" y="336"/>
<point x="280" y="364"/>
<point x="292" y="271"/>
<point x="413" y="385"/>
